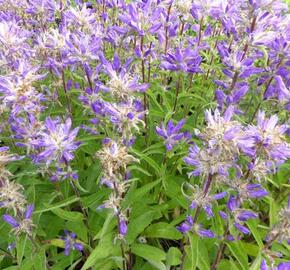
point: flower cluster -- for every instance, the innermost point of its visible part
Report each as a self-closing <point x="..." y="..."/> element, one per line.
<point x="221" y="161"/>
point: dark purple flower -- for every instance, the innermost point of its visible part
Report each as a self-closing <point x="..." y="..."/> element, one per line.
<point x="10" y="220"/>
<point x="29" y="211"/>
<point x="264" y="265"/>
<point x="242" y="228"/>
<point x="123" y="227"/>
<point x="256" y="191"/>
<point x="233" y="203"/>
<point x="71" y="243"/>
<point x="171" y="133"/>
<point x="205" y="233"/>
<point x="186" y="60"/>
<point x="223" y="215"/>
<point x="186" y="225"/>
<point x="283" y="266"/>
<point x="244" y="215"/>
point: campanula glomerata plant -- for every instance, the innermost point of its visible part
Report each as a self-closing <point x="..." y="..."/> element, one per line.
<point x="144" y="134"/>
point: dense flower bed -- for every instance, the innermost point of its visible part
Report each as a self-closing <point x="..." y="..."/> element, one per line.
<point x="147" y="134"/>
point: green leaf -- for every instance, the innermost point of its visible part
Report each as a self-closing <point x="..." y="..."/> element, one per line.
<point x="158" y="265"/>
<point x="163" y="230"/>
<point x="173" y="256"/>
<point x="226" y="264"/>
<point x="138" y="168"/>
<point x="103" y="250"/>
<point x="252" y="225"/>
<point x="273" y="213"/>
<point x="149" y="160"/>
<point x="149" y="253"/>
<point x="202" y="258"/>
<point x="136" y="226"/>
<point x="40" y="260"/>
<point x="257" y="263"/>
<point x="68" y="215"/>
<point x="20" y="247"/>
<point x="139" y="193"/>
<point x="250" y="249"/>
<point x="196" y="254"/>
<point x="237" y="250"/>
<point x="56" y="242"/>
<point x="105" y="226"/>
<point x="61" y="204"/>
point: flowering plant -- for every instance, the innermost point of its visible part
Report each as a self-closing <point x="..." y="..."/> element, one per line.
<point x="144" y="134"/>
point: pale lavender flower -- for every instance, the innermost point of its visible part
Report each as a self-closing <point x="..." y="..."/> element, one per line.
<point x="222" y="139"/>
<point x="18" y="92"/>
<point x="80" y="17"/>
<point x="122" y="84"/>
<point x="13" y="43"/>
<point x="143" y="18"/>
<point x="126" y="116"/>
<point x="269" y="138"/>
<point x="82" y="49"/>
<point x="11" y="196"/>
<point x="58" y="142"/>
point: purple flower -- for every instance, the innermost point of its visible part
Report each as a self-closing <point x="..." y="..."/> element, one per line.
<point x="82" y="48"/>
<point x="29" y="211"/>
<point x="269" y="138"/>
<point x="171" y="133"/>
<point x="281" y="266"/>
<point x="256" y="191"/>
<point x="123" y="227"/>
<point x="205" y="233"/>
<point x="17" y="91"/>
<point x="58" y="142"/>
<point x="187" y="60"/>
<point x="23" y="223"/>
<point x="223" y="215"/>
<point x="125" y="116"/>
<point x="186" y="225"/>
<point x="142" y="17"/>
<point x="122" y="84"/>
<point x="242" y="228"/>
<point x="10" y="220"/>
<point x="264" y="265"/>
<point x="240" y="215"/>
<point x="198" y="198"/>
<point x="244" y="215"/>
<point x="71" y="243"/>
